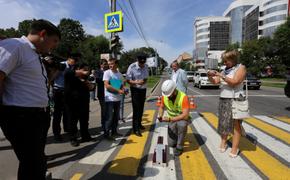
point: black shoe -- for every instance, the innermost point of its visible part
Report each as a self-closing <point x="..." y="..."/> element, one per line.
<point x="138" y="133"/>
<point x="74" y="143"/>
<point x="58" y="138"/>
<point x="142" y="127"/>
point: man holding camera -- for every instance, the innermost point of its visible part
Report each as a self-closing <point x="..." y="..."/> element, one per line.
<point x="58" y="98"/>
<point x="77" y="101"/>
<point x="24" y="96"/>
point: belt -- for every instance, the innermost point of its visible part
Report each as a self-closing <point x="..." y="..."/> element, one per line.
<point x="25" y="109"/>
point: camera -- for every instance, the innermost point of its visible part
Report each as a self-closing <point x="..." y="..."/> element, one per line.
<point x="53" y="62"/>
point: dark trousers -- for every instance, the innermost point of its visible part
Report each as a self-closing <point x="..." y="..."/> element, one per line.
<point x="138" y="100"/>
<point x="59" y="111"/>
<point x="78" y="112"/>
<point x="103" y="115"/>
<point x="26" y="129"/>
<point x="112" y="116"/>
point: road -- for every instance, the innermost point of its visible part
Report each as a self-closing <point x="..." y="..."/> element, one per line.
<point x="264" y="151"/>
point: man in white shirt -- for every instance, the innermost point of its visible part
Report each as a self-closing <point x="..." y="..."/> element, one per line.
<point x="179" y="77"/>
<point x="113" y="90"/>
<point x="24" y="96"/>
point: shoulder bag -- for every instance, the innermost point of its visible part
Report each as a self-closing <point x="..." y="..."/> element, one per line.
<point x="240" y="106"/>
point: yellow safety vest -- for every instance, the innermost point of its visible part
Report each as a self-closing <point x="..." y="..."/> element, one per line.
<point x="174" y="109"/>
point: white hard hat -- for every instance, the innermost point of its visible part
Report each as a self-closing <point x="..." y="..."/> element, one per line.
<point x="168" y="87"/>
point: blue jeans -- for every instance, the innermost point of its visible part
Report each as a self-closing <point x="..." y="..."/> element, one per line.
<point x="112" y="111"/>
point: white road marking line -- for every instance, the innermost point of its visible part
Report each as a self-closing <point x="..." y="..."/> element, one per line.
<point x="232" y="168"/>
<point x="274" y="122"/>
<point x="156" y="172"/>
<point x="102" y="152"/>
<point x="271" y="143"/>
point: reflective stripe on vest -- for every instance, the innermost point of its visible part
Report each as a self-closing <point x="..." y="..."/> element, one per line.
<point x="174" y="109"/>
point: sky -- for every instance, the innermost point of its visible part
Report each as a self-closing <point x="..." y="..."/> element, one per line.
<point x="168" y="25"/>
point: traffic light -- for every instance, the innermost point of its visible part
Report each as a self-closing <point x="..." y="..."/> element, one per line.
<point x="115" y="41"/>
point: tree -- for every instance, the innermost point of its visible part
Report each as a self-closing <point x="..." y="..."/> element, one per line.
<point x="281" y="41"/>
<point x="9" y="33"/>
<point x="92" y="48"/>
<point x="24" y="27"/>
<point x="72" y="34"/>
<point x="234" y="46"/>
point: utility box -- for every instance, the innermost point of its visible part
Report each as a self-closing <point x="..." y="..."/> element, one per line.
<point x="160" y="156"/>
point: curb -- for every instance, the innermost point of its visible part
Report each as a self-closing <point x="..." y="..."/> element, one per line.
<point x="150" y="98"/>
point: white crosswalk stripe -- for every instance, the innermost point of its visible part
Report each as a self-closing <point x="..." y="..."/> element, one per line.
<point x="231" y="168"/>
<point x="280" y="149"/>
<point x="238" y="168"/>
<point x="274" y="122"/>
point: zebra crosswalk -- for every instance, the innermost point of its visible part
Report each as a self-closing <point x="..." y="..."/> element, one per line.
<point x="264" y="152"/>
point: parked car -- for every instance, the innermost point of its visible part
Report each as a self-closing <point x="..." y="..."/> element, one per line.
<point x="189" y="75"/>
<point x="253" y="82"/>
<point x="201" y="80"/>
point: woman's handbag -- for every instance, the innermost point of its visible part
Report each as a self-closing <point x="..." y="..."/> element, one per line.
<point x="240" y="106"/>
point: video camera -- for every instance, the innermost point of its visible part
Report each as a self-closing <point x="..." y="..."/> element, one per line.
<point x="53" y="62"/>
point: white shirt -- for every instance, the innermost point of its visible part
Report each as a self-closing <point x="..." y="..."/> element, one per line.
<point x="228" y="91"/>
<point x="25" y="83"/>
<point x="108" y="75"/>
<point x="135" y="72"/>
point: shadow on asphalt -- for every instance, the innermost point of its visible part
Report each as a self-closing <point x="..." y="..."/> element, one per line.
<point x="119" y="169"/>
<point x="65" y="136"/>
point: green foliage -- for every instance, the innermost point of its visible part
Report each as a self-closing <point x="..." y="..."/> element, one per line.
<point x="282" y="42"/>
<point x="72" y="33"/>
<point x="234" y="46"/>
<point x="9" y="33"/>
<point x="24" y="26"/>
<point x="92" y="48"/>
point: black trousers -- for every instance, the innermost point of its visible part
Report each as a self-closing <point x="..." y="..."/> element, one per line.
<point x="138" y="100"/>
<point x="59" y="111"/>
<point x="78" y="112"/>
<point x="26" y="129"/>
<point x="103" y="113"/>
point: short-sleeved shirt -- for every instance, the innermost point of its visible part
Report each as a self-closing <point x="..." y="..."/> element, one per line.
<point x="109" y="75"/>
<point x="135" y="72"/>
<point x="59" y="80"/>
<point x="185" y="102"/>
<point x="25" y="82"/>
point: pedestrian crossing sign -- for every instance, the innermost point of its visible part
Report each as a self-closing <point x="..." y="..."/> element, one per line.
<point x="114" y="22"/>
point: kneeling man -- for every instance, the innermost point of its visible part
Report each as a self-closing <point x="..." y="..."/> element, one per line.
<point x="177" y="107"/>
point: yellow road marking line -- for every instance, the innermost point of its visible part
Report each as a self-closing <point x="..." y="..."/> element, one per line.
<point x="193" y="162"/>
<point x="127" y="160"/>
<point x="272" y="130"/>
<point x="283" y="119"/>
<point x="77" y="176"/>
<point x="267" y="164"/>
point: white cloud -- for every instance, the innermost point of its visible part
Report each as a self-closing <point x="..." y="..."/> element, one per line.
<point x="93" y="27"/>
<point x="13" y="12"/>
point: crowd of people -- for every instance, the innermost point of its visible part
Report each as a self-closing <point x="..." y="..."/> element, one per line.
<point x="26" y="78"/>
